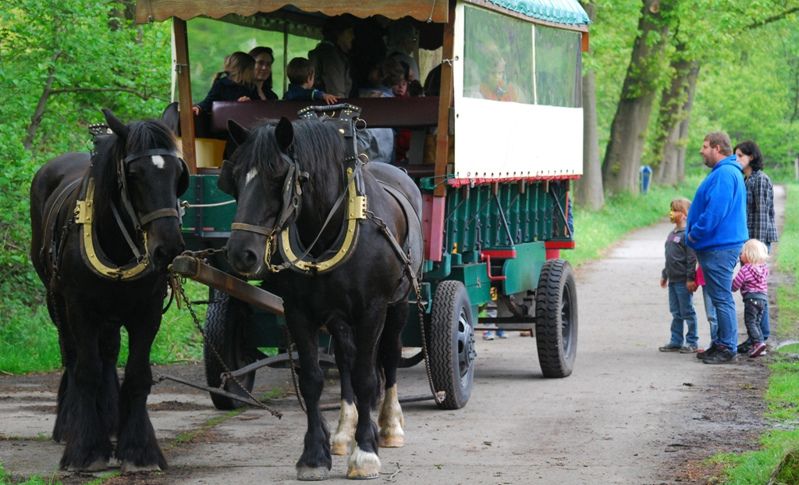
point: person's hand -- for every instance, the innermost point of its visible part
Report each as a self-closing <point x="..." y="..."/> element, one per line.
<point x="195" y="109"/>
<point x="691" y="285"/>
<point x="663" y="282"/>
<point x="243" y="98"/>
<point x="330" y="99"/>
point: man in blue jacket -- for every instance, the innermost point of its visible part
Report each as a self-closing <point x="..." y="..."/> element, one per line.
<point x="716" y="230"/>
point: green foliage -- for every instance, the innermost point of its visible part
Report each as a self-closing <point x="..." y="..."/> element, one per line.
<point x="778" y="445"/>
<point x="6" y="479"/>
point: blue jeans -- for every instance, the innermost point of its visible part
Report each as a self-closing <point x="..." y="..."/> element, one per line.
<point x="712" y="319"/>
<point x="718" y="267"/>
<point x="681" y="306"/>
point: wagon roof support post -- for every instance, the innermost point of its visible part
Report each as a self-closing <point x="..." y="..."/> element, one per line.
<point x="180" y="35"/>
<point x="445" y="104"/>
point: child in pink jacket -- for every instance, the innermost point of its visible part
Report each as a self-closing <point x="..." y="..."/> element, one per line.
<point x="752" y="280"/>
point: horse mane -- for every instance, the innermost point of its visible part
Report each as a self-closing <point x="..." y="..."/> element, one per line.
<point x="315" y="147"/>
<point x="108" y="149"/>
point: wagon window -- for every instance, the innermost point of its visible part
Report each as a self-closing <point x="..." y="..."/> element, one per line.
<point x="498" y="54"/>
<point x="210" y="41"/>
<point x="557" y="67"/>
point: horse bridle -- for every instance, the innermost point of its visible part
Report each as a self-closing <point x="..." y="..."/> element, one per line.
<point x="292" y="202"/>
<point x="138" y="219"/>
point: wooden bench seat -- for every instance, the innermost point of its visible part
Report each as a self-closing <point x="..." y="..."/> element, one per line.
<point x="413" y="113"/>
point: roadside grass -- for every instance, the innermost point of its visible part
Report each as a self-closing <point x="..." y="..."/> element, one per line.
<point x="29" y="340"/>
<point x="778" y="456"/>
<point x="6" y="479"/>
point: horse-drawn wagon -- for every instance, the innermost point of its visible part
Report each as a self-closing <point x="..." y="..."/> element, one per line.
<point x="493" y="153"/>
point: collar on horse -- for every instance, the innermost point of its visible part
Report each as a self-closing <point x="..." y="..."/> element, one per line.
<point x="283" y="237"/>
<point x="91" y="252"/>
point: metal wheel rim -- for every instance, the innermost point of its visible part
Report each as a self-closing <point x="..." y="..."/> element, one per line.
<point x="464" y="331"/>
<point x="566" y="320"/>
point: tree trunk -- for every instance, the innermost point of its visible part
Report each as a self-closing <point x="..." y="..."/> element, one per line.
<point x="628" y="131"/>
<point x="36" y="119"/>
<point x="672" y="112"/>
<point x="680" y="147"/>
<point x="589" y="191"/>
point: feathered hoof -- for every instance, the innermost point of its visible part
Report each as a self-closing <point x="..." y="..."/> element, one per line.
<point x="392" y="441"/>
<point x="363" y="465"/>
<point x="340" y="446"/>
<point x="130" y="467"/>
<point x="97" y="465"/>
<point x="308" y="474"/>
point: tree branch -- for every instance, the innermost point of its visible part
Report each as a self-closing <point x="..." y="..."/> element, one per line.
<point x="773" y="18"/>
<point x="144" y="96"/>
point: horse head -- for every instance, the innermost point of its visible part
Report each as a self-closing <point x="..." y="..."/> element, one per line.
<point x="256" y="176"/>
<point x="151" y="176"/>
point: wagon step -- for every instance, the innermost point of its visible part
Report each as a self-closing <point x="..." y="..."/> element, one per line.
<point x="198" y="270"/>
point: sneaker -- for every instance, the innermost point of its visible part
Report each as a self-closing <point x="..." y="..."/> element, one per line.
<point x="688" y="349"/>
<point x="670" y="348"/>
<point x="701" y="354"/>
<point x="488" y="335"/>
<point x="501" y="334"/>
<point x="722" y="355"/>
<point x="759" y="348"/>
<point x="745" y="347"/>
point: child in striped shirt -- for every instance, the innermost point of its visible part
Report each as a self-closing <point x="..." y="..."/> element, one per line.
<point x="752" y="280"/>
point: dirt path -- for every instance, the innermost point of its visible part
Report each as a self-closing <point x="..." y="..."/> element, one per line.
<point x="629" y="414"/>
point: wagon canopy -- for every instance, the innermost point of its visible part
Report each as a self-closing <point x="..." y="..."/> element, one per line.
<point x="424" y="10"/>
<point x="562" y="12"/>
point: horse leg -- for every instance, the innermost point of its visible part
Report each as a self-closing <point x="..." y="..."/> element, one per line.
<point x="57" y="313"/>
<point x="137" y="448"/>
<point x="391" y="420"/>
<point x="348" y="414"/>
<point x="364" y="462"/>
<point x="109" y="352"/>
<point x="315" y="462"/>
<point x="88" y="446"/>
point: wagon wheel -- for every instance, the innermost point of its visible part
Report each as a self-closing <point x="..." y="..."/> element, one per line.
<point x="556" y="318"/>
<point x="224" y="329"/>
<point x="451" y="344"/>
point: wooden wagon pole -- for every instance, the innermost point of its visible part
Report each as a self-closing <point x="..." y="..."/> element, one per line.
<point x="180" y="34"/>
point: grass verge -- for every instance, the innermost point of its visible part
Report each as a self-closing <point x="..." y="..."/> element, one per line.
<point x="777" y="457"/>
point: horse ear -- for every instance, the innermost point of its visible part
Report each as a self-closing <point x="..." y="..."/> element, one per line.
<point x="116" y="126"/>
<point x="225" y="182"/>
<point x="171" y="117"/>
<point x="238" y="133"/>
<point x="284" y="133"/>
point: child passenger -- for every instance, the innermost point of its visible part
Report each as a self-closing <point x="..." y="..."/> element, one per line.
<point x="235" y="83"/>
<point x="680" y="270"/>
<point x="752" y="280"/>
<point x="300" y="72"/>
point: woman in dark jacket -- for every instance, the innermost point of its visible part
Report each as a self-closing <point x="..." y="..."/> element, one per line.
<point x="759" y="208"/>
<point x="264" y="58"/>
<point x="235" y="83"/>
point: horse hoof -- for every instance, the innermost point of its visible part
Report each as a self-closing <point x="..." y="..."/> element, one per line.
<point x="308" y="474"/>
<point x="130" y="467"/>
<point x="97" y="465"/>
<point x="340" y="447"/>
<point x="394" y="441"/>
<point x="363" y="465"/>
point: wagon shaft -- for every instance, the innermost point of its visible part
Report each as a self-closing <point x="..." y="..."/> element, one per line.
<point x="197" y="270"/>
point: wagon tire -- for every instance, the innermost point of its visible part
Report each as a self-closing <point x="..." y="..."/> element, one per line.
<point x="451" y="344"/>
<point x="224" y="325"/>
<point x="556" y="318"/>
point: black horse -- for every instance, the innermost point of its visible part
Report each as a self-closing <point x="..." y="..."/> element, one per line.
<point x="105" y="226"/>
<point x="349" y="237"/>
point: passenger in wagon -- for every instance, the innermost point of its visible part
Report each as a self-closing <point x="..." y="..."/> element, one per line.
<point x="402" y="42"/>
<point x="235" y="83"/>
<point x="331" y="59"/>
<point x="264" y="58"/>
<point x="300" y="72"/>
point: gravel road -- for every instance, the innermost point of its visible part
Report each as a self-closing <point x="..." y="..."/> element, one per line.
<point x="628" y="414"/>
